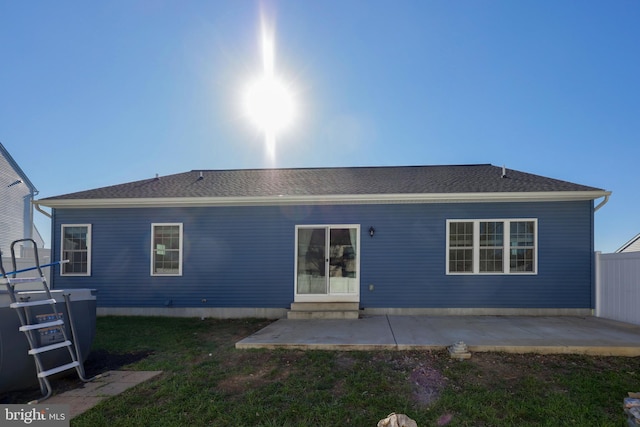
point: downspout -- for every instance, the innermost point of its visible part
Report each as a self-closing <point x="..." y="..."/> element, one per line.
<point x="39" y="209"/>
<point x="34" y="193"/>
<point x="603" y="202"/>
<point x="598" y="311"/>
<point x="596" y="267"/>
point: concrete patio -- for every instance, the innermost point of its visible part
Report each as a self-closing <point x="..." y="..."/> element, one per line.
<point x="514" y="334"/>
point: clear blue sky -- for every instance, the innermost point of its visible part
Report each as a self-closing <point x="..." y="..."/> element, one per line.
<point x="95" y="93"/>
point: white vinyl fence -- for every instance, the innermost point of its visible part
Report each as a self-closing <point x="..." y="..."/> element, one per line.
<point x="618" y="286"/>
<point x="22" y="263"/>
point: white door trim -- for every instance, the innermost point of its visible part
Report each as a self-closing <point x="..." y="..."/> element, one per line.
<point x="329" y="296"/>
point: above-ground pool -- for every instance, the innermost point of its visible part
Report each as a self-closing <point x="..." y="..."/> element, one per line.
<point x="17" y="367"/>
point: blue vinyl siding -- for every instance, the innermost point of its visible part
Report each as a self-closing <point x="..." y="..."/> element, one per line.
<point x="244" y="256"/>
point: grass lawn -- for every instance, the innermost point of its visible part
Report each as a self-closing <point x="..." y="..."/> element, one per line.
<point x="207" y="382"/>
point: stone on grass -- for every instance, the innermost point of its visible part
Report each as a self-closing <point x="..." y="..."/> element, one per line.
<point x="459" y="351"/>
<point x="397" y="420"/>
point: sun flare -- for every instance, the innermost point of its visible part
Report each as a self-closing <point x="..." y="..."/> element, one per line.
<point x="268" y="100"/>
<point x="269" y="104"/>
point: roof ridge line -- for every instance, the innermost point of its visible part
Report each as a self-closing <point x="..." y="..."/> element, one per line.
<point x="337" y="167"/>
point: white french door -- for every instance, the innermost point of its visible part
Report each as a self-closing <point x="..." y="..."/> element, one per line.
<point x="327" y="263"/>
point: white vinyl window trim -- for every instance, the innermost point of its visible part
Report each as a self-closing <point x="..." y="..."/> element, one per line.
<point x="79" y="258"/>
<point x="172" y="265"/>
<point x="507" y="247"/>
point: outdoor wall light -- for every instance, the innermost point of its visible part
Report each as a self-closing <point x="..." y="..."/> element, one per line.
<point x="372" y="231"/>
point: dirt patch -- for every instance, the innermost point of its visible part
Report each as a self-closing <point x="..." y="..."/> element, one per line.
<point x="509" y="370"/>
<point x="258" y="368"/>
<point x="423" y="370"/>
<point x="427" y="383"/>
<point x="344" y="361"/>
<point x="427" y="372"/>
<point x="425" y="376"/>
<point x="239" y="384"/>
<point x="492" y="368"/>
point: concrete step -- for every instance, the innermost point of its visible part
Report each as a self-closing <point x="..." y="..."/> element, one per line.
<point x="325" y="306"/>
<point x="323" y="314"/>
<point x="324" y="310"/>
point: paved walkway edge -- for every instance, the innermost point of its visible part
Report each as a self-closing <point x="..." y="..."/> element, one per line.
<point x="93" y="392"/>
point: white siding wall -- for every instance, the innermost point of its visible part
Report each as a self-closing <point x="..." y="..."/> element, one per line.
<point x="634" y="247"/>
<point x="618" y="286"/>
<point x="15" y="207"/>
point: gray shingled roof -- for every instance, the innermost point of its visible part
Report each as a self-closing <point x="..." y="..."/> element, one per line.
<point x="483" y="178"/>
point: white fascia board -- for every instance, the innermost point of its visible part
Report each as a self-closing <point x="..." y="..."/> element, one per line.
<point x="324" y="200"/>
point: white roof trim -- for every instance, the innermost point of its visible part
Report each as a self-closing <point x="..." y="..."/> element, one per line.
<point x="328" y="199"/>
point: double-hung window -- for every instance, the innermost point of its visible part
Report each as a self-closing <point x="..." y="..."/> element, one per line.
<point x="504" y="246"/>
<point x="522" y="238"/>
<point x="460" y="254"/>
<point x="166" y="249"/>
<point x="75" y="250"/>
<point x="491" y="246"/>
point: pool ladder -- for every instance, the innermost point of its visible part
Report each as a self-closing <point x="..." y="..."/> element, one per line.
<point x="53" y="321"/>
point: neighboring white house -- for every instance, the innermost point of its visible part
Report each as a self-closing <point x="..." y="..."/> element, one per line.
<point x="16" y="209"/>
<point x="632" y="245"/>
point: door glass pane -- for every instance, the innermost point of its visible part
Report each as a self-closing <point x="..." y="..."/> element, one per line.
<point x="342" y="260"/>
<point x="311" y="261"/>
